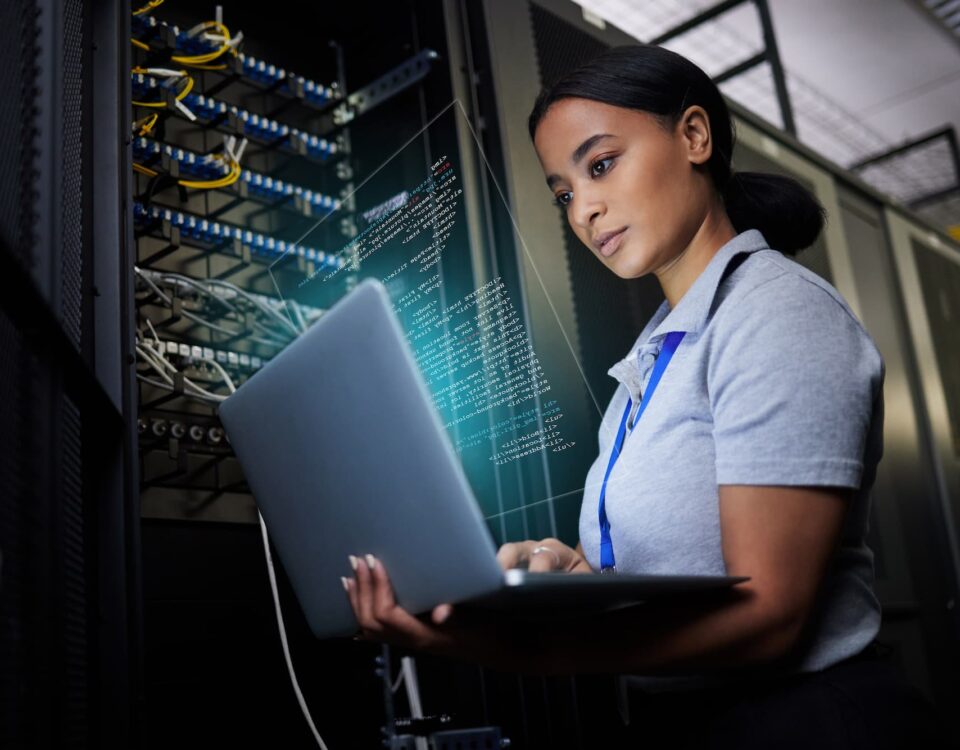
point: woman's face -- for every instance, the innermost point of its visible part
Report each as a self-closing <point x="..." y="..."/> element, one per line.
<point x="629" y="187"/>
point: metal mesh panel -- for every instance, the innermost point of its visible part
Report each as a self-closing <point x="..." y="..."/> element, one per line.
<point x="74" y="729"/>
<point x="17" y="518"/>
<point x="606" y="331"/>
<point x="72" y="167"/>
<point x="18" y="55"/>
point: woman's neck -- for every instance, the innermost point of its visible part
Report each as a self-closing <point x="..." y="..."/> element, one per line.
<point x="677" y="276"/>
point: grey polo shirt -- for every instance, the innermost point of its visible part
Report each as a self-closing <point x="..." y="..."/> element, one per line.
<point x="774" y="383"/>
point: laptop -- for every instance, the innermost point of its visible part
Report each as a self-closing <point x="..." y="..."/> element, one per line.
<point x="345" y="454"/>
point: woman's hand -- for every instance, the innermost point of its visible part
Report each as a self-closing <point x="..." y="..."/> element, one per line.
<point x="543" y="556"/>
<point x="381" y="619"/>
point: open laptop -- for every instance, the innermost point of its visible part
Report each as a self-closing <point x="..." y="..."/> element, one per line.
<point x="346" y="454"/>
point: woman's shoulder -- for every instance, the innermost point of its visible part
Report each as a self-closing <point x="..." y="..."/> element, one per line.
<point x="771" y="307"/>
<point x="767" y="284"/>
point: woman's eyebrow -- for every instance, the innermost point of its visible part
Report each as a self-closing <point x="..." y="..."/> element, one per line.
<point x="579" y="152"/>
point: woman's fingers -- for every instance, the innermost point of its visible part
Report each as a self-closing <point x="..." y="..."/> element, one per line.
<point x="378" y="614"/>
<point x="441" y="613"/>
<point x="544" y="558"/>
<point x="364" y="595"/>
<point x="540" y="556"/>
<point x="510" y="555"/>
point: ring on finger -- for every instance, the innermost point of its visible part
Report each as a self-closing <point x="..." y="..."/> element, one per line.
<point x="543" y="548"/>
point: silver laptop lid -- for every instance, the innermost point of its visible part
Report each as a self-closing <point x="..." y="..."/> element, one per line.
<point x="345" y="454"/>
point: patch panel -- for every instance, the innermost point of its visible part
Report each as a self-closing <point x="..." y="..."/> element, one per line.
<point x="257" y="127"/>
<point x="213" y="233"/>
<point x="256" y="71"/>
<point x="250" y="184"/>
<point x="194" y="353"/>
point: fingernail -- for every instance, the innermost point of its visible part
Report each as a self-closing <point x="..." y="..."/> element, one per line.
<point x="343" y="580"/>
<point x="354" y="562"/>
<point x="371" y="561"/>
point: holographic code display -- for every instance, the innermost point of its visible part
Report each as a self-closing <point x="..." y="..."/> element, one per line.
<point x="468" y="328"/>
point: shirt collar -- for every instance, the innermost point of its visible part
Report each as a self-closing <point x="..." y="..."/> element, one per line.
<point x="690" y="314"/>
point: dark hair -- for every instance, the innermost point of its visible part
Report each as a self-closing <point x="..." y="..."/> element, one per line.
<point x="662" y="83"/>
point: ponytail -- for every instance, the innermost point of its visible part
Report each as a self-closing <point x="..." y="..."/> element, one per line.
<point x="787" y="214"/>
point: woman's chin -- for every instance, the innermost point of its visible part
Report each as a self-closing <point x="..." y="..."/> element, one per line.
<point x="627" y="265"/>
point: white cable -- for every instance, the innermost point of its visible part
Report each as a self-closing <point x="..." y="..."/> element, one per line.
<point x="154" y="332"/>
<point x="240" y="150"/>
<point x="213" y="326"/>
<point x="271" y="574"/>
<point x="158" y="360"/>
<point x="185" y="110"/>
<point x="408" y="668"/>
<point x="156" y="368"/>
<point x="253" y="300"/>
<point x="214" y="400"/>
<point x="226" y="377"/>
<point x="283" y="635"/>
<point x="167" y="73"/>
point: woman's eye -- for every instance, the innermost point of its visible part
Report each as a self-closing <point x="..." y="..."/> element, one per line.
<point x="601" y="166"/>
<point x="563" y="199"/>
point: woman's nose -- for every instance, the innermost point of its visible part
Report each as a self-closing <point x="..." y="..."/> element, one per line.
<point x="586" y="210"/>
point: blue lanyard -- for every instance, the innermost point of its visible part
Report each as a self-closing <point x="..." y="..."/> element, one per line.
<point x="608" y="563"/>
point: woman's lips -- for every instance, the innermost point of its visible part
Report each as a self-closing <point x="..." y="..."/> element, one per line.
<point x="610" y="246"/>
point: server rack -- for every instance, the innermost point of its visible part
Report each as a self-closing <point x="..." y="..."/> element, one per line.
<point x="69" y="631"/>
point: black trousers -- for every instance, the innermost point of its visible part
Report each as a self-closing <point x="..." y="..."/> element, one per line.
<point x="862" y="703"/>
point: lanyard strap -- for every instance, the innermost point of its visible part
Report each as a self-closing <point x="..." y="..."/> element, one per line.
<point x="608" y="563"/>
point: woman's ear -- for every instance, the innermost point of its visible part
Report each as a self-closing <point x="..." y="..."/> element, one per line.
<point x="695" y="130"/>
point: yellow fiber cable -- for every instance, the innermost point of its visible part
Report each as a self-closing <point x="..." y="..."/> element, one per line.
<point x="145" y="125"/>
<point x="186" y="89"/>
<point x="180" y="94"/>
<point x="139" y="44"/>
<point x="209" y="56"/>
<point x="144" y="170"/>
<point x="954" y="232"/>
<point x="148" y="7"/>
<point x="235" y="171"/>
<point x="225" y="181"/>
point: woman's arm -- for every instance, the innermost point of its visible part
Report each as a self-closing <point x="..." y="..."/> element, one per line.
<point x="782" y="537"/>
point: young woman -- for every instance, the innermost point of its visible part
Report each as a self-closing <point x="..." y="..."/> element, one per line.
<point x="755" y="456"/>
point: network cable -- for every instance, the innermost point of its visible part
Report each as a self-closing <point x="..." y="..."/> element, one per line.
<point x="253" y="69"/>
<point x="281" y="626"/>
<point x="226" y="295"/>
<point x="273" y="339"/>
<point x="265" y="187"/>
<point x="264" y="129"/>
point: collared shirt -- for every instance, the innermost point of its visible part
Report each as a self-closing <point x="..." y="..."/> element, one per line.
<point x="775" y="383"/>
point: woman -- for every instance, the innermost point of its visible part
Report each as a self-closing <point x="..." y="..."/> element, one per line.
<point x="755" y="457"/>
